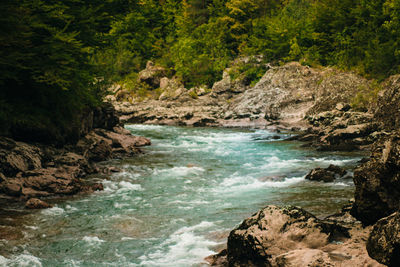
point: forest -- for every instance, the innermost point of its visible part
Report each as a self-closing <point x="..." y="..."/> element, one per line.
<point x="59" y="57"/>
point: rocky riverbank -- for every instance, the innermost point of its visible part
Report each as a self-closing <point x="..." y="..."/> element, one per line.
<point x="322" y="104"/>
<point x="29" y="171"/>
<point x="290" y="97"/>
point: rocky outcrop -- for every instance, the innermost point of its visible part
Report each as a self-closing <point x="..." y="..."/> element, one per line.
<point x="326" y="174"/>
<point x="32" y="171"/>
<point x="18" y="157"/>
<point x="291" y="236"/>
<point x="341" y="130"/>
<point x="387" y="110"/>
<point x="384" y="241"/>
<point x="283" y="99"/>
<point x="377" y="182"/>
<point x="152" y="75"/>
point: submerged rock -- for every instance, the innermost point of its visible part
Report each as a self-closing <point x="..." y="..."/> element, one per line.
<point x="384" y="241"/>
<point x="35" y="203"/>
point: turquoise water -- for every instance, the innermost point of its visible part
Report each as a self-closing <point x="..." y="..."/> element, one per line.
<point x="175" y="204"/>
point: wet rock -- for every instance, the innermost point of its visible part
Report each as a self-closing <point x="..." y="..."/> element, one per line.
<point x="377" y="183"/>
<point x="85" y="189"/>
<point x="152" y="75"/>
<point x="337" y="170"/>
<point x="219" y="259"/>
<point x="35" y="203"/>
<point x="274" y="230"/>
<point x="319" y="174"/>
<point x="384" y="241"/>
<point x="326" y="175"/>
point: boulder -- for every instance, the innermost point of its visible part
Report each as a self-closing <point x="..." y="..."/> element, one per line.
<point x="11" y="187"/>
<point x="47" y="181"/>
<point x="319" y="174"/>
<point x="274" y="231"/>
<point x="95" y="147"/>
<point x="128" y="142"/>
<point x="223" y="85"/>
<point x="377" y="183"/>
<point x="336" y="170"/>
<point x="383" y="243"/>
<point x="152" y="75"/>
<point x="17" y="157"/>
<point x="101" y="144"/>
<point x="35" y="203"/>
<point x="326" y="175"/>
<point x="172" y="89"/>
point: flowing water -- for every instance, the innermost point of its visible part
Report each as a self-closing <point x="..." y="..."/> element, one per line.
<point x="175" y="204"/>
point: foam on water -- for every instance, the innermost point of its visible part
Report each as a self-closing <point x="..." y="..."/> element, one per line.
<point x="53" y="211"/>
<point x="178" y="171"/>
<point x="23" y="260"/>
<point x="238" y="184"/>
<point x="120" y="187"/>
<point x="93" y="241"/>
<point x="184" y="247"/>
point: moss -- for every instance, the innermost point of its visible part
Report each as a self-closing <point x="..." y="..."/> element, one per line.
<point x="193" y="94"/>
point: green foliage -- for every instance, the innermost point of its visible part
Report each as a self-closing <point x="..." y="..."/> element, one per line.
<point x="250" y="73"/>
<point x="193" y="94"/>
<point x="45" y="74"/>
<point x="56" y="57"/>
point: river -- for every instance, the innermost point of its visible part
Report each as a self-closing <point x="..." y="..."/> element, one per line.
<point x="176" y="203"/>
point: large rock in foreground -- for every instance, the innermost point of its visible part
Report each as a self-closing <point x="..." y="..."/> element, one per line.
<point x="273" y="231"/>
<point x="384" y="241"/>
<point x="290" y="236"/>
<point x="377" y="183"/>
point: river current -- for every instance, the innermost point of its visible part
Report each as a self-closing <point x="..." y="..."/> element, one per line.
<point x="176" y="203"/>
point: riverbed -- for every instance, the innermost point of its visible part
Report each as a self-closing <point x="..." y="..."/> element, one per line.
<point x="176" y="203"/>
